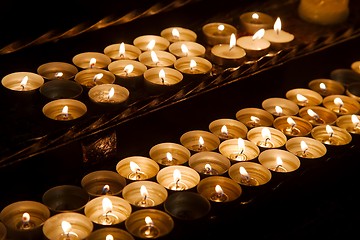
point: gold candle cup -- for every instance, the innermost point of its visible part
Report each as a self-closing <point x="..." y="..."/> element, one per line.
<point x="326" y="87"/>
<point x="116" y="233"/>
<point x="219" y="189"/>
<point x="65" y="198"/>
<point x="60" y="89"/>
<point x="201" y="70"/>
<point x="55" y="109"/>
<point x="115" y="214"/>
<point x="336" y="137"/>
<point x="91" y="60"/>
<point x="224" y="55"/>
<point x="293" y="126"/>
<point x="346" y="104"/>
<point x="186" y="179"/>
<point x="312" y="149"/>
<point x="276" y="138"/>
<point x="22" y="81"/>
<point x="192" y="141"/>
<point x="103" y="182"/>
<point x="350" y="123"/>
<point x="176" y="34"/>
<point x="80" y="226"/>
<point x="166" y="154"/>
<point x="255" y="117"/>
<point x="230" y="148"/>
<point x="353" y="90"/>
<point x="218" y="33"/>
<point x="318" y="115"/>
<point x="154" y="83"/>
<point x="3" y="231"/>
<point x="57" y="70"/>
<point x="146" y="168"/>
<point x="270" y="159"/>
<point x="209" y="163"/>
<point x="144" y="194"/>
<point x="355" y="66"/>
<point x="255" y="174"/>
<point x="288" y="107"/>
<point x="89" y="78"/>
<point x="251" y="22"/>
<point x="187" y="49"/>
<point x="131" y="52"/>
<point x="127" y="76"/>
<point x="160" y="224"/>
<point x="100" y="95"/>
<point x="12" y="216"/>
<point x="233" y="128"/>
<point x="162" y="59"/>
<point x="160" y="43"/>
<point x="304" y="97"/>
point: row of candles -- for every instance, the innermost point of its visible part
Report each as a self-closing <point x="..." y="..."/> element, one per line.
<point x="214" y="166"/>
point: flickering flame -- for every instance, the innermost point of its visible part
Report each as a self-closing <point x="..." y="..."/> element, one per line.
<point x="219" y="190"/>
<point x="122" y="49"/>
<point x="92" y="62"/>
<point x="128" y="69"/>
<point x="312" y="113"/>
<point x="243" y="172"/>
<point x="322" y="86"/>
<point x="111" y="93"/>
<point x="144" y="192"/>
<point x="301" y="98"/>
<point x="265" y="133"/>
<point x="149" y="221"/>
<point x="175" y="33"/>
<point x="241" y="144"/>
<point x="303" y="146"/>
<point x="279" y="161"/>
<point x="255" y="16"/>
<point x="151" y="45"/>
<point x="134" y="167"/>
<point x="201" y="141"/>
<point x="184" y="49"/>
<point x="329" y="130"/>
<point x="162" y="75"/>
<point x="24" y="81"/>
<point x="25" y="217"/>
<point x="106" y="188"/>
<point x="291" y="121"/>
<point x="66" y="227"/>
<point x="192" y="64"/>
<point x="338" y="102"/>
<point x="354" y="119"/>
<point x="254" y="119"/>
<point x="221" y="27"/>
<point x="278" y="110"/>
<point x="277" y="25"/>
<point x="169" y="156"/>
<point x="109" y="237"/>
<point x="106" y="205"/>
<point x="177" y="175"/>
<point x="224" y="130"/>
<point x="208" y="167"/>
<point x="154" y="57"/>
<point x="59" y="74"/>
<point x="232" y="41"/>
<point x="259" y="34"/>
<point x="65" y="110"/>
<point x="98" y="76"/>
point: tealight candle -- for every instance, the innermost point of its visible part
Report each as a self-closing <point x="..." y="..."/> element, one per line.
<point x="143" y="194"/>
<point x="218" y="33"/>
<point x="277" y="37"/>
<point x="178" y="178"/>
<point x="209" y="163"/>
<point x="250" y="174"/>
<point x="255" y="117"/>
<point x="58" y="89"/>
<point x="89" y="78"/>
<point x="228" y="54"/>
<point x="122" y="51"/>
<point x="199" y="140"/>
<point x="355" y="66"/>
<point x="318" y="115"/>
<point x="110" y="233"/>
<point x="169" y="153"/>
<point x="331" y="135"/>
<point x="326" y="87"/>
<point x="68" y="226"/>
<point x="277" y="160"/>
<point x="91" y="60"/>
<point x="304" y="97"/>
<point x="341" y="104"/>
<point x="22" y="81"/>
<point x="267" y="137"/>
<point x="187" y="49"/>
<point x="293" y="126"/>
<point x="254" y="21"/>
<point x="109" y="95"/>
<point x="64" y="109"/>
<point x="57" y="70"/>
<point x="227" y="128"/>
<point x="24" y="219"/>
<point x="157" y="58"/>
<point x="239" y="150"/>
<point x="280" y="106"/>
<point x="161" y="79"/>
<point x="306" y="147"/>
<point x="175" y="34"/>
<point x="193" y="67"/>
<point x="255" y="46"/>
<point x="137" y="168"/>
<point x="151" y="42"/>
<point x="349" y="122"/>
<point x="107" y="210"/>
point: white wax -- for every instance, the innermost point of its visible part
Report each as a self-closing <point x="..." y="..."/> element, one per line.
<point x="224" y="51"/>
<point x="248" y="43"/>
<point x="278" y="36"/>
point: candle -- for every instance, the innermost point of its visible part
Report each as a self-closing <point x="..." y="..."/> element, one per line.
<point x="318" y="115"/>
<point x="255" y="46"/>
<point x="326" y="87"/>
<point x="91" y="60"/>
<point x="122" y="51"/>
<point x="157" y="58"/>
<point x="267" y="137"/>
<point x="175" y="34"/>
<point x="57" y="70"/>
<point x="187" y="49"/>
<point x="227" y="128"/>
<point x="59" y="89"/>
<point x="304" y="97"/>
<point x="109" y="95"/>
<point x="137" y="168"/>
<point x="193" y="67"/>
<point x="151" y="42"/>
<point x="228" y="54"/>
<point x="277" y="37"/>
<point x="254" y="21"/>
<point x="160" y="79"/>
<point x="331" y="135"/>
<point x="209" y="163"/>
<point x="293" y="126"/>
<point x="341" y="104"/>
<point x="178" y="178"/>
<point x="199" y="140"/>
<point x="324" y="12"/>
<point x="349" y="122"/>
<point x="255" y="117"/>
<point x="218" y="33"/>
<point x="249" y="174"/>
<point x="280" y="106"/>
<point x="168" y="153"/>
<point x="306" y="147"/>
<point x="64" y="109"/>
<point x="89" y="78"/>
<point x="239" y="150"/>
<point x="22" y="81"/>
<point x="110" y="233"/>
<point x="277" y="160"/>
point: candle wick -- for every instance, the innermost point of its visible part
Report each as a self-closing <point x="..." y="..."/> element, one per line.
<point x="266" y="140"/>
<point x="162" y="80"/>
<point x="277" y="167"/>
<point x="340" y="106"/>
<point x="177" y="183"/>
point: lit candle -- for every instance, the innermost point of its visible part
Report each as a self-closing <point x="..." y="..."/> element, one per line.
<point x="145" y="201"/>
<point x="168" y="153"/>
<point x="349" y="122"/>
<point x="208" y="170"/>
<point x="193" y="66"/>
<point x="107" y="218"/>
<point x="159" y="79"/>
<point x="246" y="179"/>
<point x="67" y="233"/>
<point x="106" y="190"/>
<point x="136" y="173"/>
<point x="315" y="116"/>
<point x="326" y="87"/>
<point x="253" y="21"/>
<point x="339" y="103"/>
<point x="239" y="155"/>
<point x="306" y="147"/>
<point x="91" y="60"/>
<point x="266" y="135"/>
<point x="304" y="97"/>
<point x="149" y="230"/>
<point x="355" y="120"/>
<point x="108" y="94"/>
<point x="95" y="76"/>
<point x="157" y="58"/>
<point x="175" y="34"/>
<point x="278" y="37"/>
<point x="122" y="51"/>
<point x="292" y="129"/>
<point x="278" y="110"/>
<point x="331" y="135"/>
<point x="219" y="195"/>
<point x="218" y="33"/>
<point x="304" y="150"/>
<point x="330" y="132"/>
<point x="200" y="146"/>
<point x="64" y="115"/>
<point x="26" y="222"/>
<point x="255" y="46"/>
<point x="177" y="185"/>
<point x="22" y="81"/>
<point x="151" y="42"/>
<point x="254" y="121"/>
<point x="57" y="70"/>
<point x="279" y="165"/>
<point x="187" y="49"/>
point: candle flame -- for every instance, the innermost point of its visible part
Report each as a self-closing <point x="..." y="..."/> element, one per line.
<point x="322" y="86"/>
<point x="241" y="144"/>
<point x="255" y="16"/>
<point x="329" y="130"/>
<point x="111" y="93"/>
<point x="65" y="110"/>
<point x="232" y="41"/>
<point x="24" y="81"/>
<point x="177" y="175"/>
<point x="59" y="74"/>
<point x="259" y="34"/>
<point x="154" y="57"/>
<point x="122" y="49"/>
<point x="277" y="25"/>
<point x="312" y="113"/>
<point x="92" y="62"/>
<point x="106" y="189"/>
<point x="98" y="76"/>
<point x="25" y="217"/>
<point x="254" y="119"/>
<point x="265" y="133"/>
<point x="243" y="172"/>
<point x="151" y="45"/>
<point x="128" y="69"/>
<point x="303" y="146"/>
<point x="149" y="221"/>
<point x="201" y="141"/>
<point x="338" y="102"/>
<point x="106" y="205"/>
<point x="175" y="33"/>
<point x="301" y="98"/>
<point x="66" y="227"/>
<point x="109" y="237"/>
<point x="291" y="121"/>
<point x="162" y="75"/>
<point x="221" y="27"/>
<point x="143" y="191"/>
<point x="169" y="156"/>
<point x="219" y="190"/>
<point x="207" y="167"/>
<point x="354" y="119"/>
<point x="192" y="64"/>
<point x="184" y="49"/>
<point x="278" y="110"/>
<point x="279" y="161"/>
<point x="134" y="167"/>
<point x="224" y="130"/>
